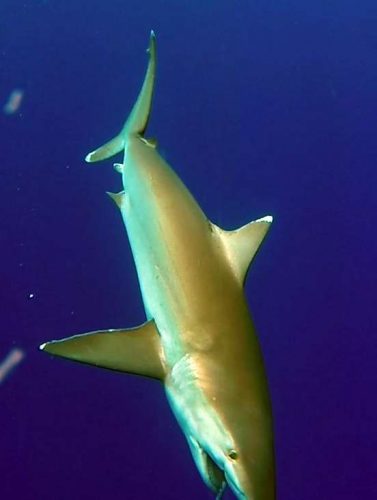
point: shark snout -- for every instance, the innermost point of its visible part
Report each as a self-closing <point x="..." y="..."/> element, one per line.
<point x="247" y="483"/>
<point x="234" y="486"/>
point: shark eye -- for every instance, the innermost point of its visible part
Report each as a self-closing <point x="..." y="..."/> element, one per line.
<point x="232" y="454"/>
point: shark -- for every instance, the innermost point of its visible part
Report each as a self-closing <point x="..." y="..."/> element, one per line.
<point x="198" y="339"/>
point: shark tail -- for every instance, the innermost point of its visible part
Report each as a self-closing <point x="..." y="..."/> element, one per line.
<point x="138" y="119"/>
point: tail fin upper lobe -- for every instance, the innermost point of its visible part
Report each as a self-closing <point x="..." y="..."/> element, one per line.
<point x="138" y="119"/>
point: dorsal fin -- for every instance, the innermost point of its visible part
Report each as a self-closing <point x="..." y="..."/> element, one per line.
<point x="135" y="350"/>
<point x="241" y="245"/>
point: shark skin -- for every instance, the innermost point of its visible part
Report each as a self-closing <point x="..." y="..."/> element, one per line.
<point x="199" y="339"/>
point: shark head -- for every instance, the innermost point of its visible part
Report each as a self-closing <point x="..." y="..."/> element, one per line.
<point x="248" y="480"/>
<point x="248" y="474"/>
<point x="231" y="449"/>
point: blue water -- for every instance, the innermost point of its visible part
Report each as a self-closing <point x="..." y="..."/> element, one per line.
<point x="263" y="107"/>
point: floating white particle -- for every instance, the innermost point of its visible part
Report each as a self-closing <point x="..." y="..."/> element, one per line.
<point x="14" y="357"/>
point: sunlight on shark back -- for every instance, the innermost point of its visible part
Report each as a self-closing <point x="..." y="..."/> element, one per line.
<point x="199" y="339"/>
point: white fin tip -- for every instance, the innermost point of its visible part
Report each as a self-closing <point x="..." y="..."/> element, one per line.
<point x="267" y="218"/>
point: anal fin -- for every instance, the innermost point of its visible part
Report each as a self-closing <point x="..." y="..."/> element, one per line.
<point x="118" y="167"/>
<point x="135" y="350"/>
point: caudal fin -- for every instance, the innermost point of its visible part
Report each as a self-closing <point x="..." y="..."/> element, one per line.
<point x="138" y="119"/>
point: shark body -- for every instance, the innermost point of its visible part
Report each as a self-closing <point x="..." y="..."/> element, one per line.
<point x="199" y="338"/>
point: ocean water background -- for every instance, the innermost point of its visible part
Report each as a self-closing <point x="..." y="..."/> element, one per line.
<point x="264" y="107"/>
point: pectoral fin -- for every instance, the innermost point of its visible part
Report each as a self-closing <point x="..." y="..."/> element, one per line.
<point x="135" y="350"/>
